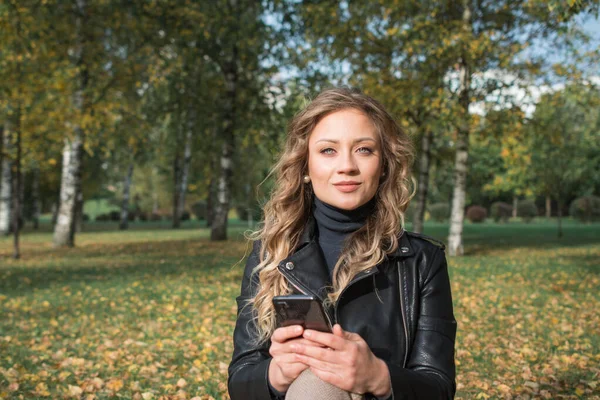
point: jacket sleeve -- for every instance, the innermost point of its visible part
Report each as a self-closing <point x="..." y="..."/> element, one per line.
<point x="249" y="365"/>
<point x="430" y="370"/>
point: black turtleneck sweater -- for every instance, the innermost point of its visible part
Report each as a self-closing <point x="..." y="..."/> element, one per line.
<point x="335" y="224"/>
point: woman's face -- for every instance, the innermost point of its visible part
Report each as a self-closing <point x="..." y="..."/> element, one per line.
<point x="344" y="159"/>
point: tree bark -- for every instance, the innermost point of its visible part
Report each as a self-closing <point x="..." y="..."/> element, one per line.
<point x="559" y="215"/>
<point x="154" y="189"/>
<point x="221" y="210"/>
<point x="176" y="184"/>
<point x="70" y="187"/>
<point x="6" y="180"/>
<point x="548" y="207"/>
<point x="185" y="168"/>
<point x="455" y="243"/>
<point x="35" y="197"/>
<point x="125" y="203"/>
<point x="423" y="185"/>
<point x="18" y="195"/>
<point x="515" y="206"/>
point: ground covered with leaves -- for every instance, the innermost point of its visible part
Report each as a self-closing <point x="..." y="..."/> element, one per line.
<point x="149" y="314"/>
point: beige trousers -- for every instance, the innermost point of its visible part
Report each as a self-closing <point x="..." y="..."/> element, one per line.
<point x="308" y="386"/>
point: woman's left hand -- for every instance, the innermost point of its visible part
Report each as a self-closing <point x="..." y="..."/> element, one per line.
<point x="347" y="362"/>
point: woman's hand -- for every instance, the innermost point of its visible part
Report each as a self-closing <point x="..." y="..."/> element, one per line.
<point x="284" y="367"/>
<point x="347" y="362"/>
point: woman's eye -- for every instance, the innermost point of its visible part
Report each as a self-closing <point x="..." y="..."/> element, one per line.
<point x="365" y="150"/>
<point x="328" y="150"/>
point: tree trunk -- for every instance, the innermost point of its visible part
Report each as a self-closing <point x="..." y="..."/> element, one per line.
<point x="423" y="185"/>
<point x="125" y="203"/>
<point x="187" y="159"/>
<point x="64" y="231"/>
<point x="6" y="181"/>
<point x="70" y="187"/>
<point x="176" y="185"/>
<point x="548" y="207"/>
<point x="154" y="189"/>
<point x="219" y="223"/>
<point x="515" y="206"/>
<point x="559" y="215"/>
<point x="35" y="197"/>
<point x="455" y="243"/>
<point x="18" y="194"/>
<point x="79" y="210"/>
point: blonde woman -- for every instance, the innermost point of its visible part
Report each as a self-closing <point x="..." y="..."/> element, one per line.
<point x="333" y="228"/>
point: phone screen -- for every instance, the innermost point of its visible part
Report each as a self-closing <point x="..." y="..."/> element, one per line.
<point x="303" y="310"/>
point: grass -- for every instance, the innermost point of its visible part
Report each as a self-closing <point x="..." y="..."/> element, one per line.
<point x="148" y="313"/>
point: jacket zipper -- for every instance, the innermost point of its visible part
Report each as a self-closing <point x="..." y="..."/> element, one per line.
<point x="404" y="319"/>
<point x="342" y="294"/>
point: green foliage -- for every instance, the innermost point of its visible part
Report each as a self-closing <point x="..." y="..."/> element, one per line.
<point x="476" y="214"/>
<point x="585" y="208"/>
<point x="439" y="212"/>
<point x="527" y="210"/>
<point x="501" y="211"/>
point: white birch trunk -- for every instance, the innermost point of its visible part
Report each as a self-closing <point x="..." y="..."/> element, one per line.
<point x="455" y="242"/>
<point x="187" y="159"/>
<point x="221" y="208"/>
<point x="125" y="203"/>
<point x="64" y="230"/>
<point x="6" y="182"/>
<point x="423" y="184"/>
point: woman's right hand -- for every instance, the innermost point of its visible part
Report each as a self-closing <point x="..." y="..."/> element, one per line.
<point x="284" y="369"/>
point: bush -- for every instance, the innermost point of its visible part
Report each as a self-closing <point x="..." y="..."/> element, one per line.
<point x="585" y="208"/>
<point x="155" y="217"/>
<point x="86" y="218"/>
<point x="409" y="213"/>
<point x="439" y="212"/>
<point x="501" y="211"/>
<point x="199" y="210"/>
<point x="476" y="214"/>
<point x="143" y="216"/>
<point x="102" y="217"/>
<point x="115" y="215"/>
<point x="185" y="216"/>
<point x="131" y="215"/>
<point x="527" y="210"/>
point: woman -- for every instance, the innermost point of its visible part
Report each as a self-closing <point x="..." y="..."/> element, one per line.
<point x="333" y="228"/>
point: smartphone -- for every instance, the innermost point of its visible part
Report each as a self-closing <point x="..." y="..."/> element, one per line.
<point x="301" y="309"/>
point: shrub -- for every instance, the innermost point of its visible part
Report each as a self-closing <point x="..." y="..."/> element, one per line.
<point x="527" y="210"/>
<point x="131" y="215"/>
<point x="143" y="216"/>
<point x="501" y="211"/>
<point x="199" y="210"/>
<point x="155" y="217"/>
<point x="185" y="216"/>
<point x="86" y="218"/>
<point x="585" y="208"/>
<point x="102" y="217"/>
<point x="115" y="215"/>
<point x="439" y="212"/>
<point x="476" y="214"/>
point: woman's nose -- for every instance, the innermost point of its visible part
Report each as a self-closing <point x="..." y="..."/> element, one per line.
<point x="347" y="163"/>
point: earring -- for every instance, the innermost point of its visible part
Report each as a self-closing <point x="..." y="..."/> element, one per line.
<point x="306" y="179"/>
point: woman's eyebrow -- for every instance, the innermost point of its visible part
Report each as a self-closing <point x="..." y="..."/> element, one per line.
<point x="362" y="139"/>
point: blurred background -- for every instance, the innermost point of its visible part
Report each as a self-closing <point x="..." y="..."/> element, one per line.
<point x="175" y="110"/>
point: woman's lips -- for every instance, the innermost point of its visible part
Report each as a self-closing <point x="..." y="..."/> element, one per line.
<point x="347" y="187"/>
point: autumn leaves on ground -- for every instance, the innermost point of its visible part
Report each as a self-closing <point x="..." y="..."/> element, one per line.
<point x="148" y="314"/>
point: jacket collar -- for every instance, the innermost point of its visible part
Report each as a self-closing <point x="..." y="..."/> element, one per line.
<point x="307" y="269"/>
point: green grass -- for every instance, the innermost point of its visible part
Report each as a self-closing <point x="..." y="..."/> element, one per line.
<point x="150" y="311"/>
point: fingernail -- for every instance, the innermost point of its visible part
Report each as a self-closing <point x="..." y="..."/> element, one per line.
<point x="307" y="333"/>
<point x="298" y="329"/>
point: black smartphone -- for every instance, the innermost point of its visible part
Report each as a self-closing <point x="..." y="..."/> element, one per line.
<point x="301" y="309"/>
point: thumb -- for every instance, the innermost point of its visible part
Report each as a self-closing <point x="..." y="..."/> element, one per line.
<point x="338" y="331"/>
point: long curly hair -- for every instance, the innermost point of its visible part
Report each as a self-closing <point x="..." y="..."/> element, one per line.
<point x="290" y="204"/>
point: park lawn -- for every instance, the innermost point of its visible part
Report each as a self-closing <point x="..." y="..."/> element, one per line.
<point x="149" y="313"/>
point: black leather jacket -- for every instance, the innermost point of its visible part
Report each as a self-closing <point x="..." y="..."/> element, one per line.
<point x="402" y="308"/>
